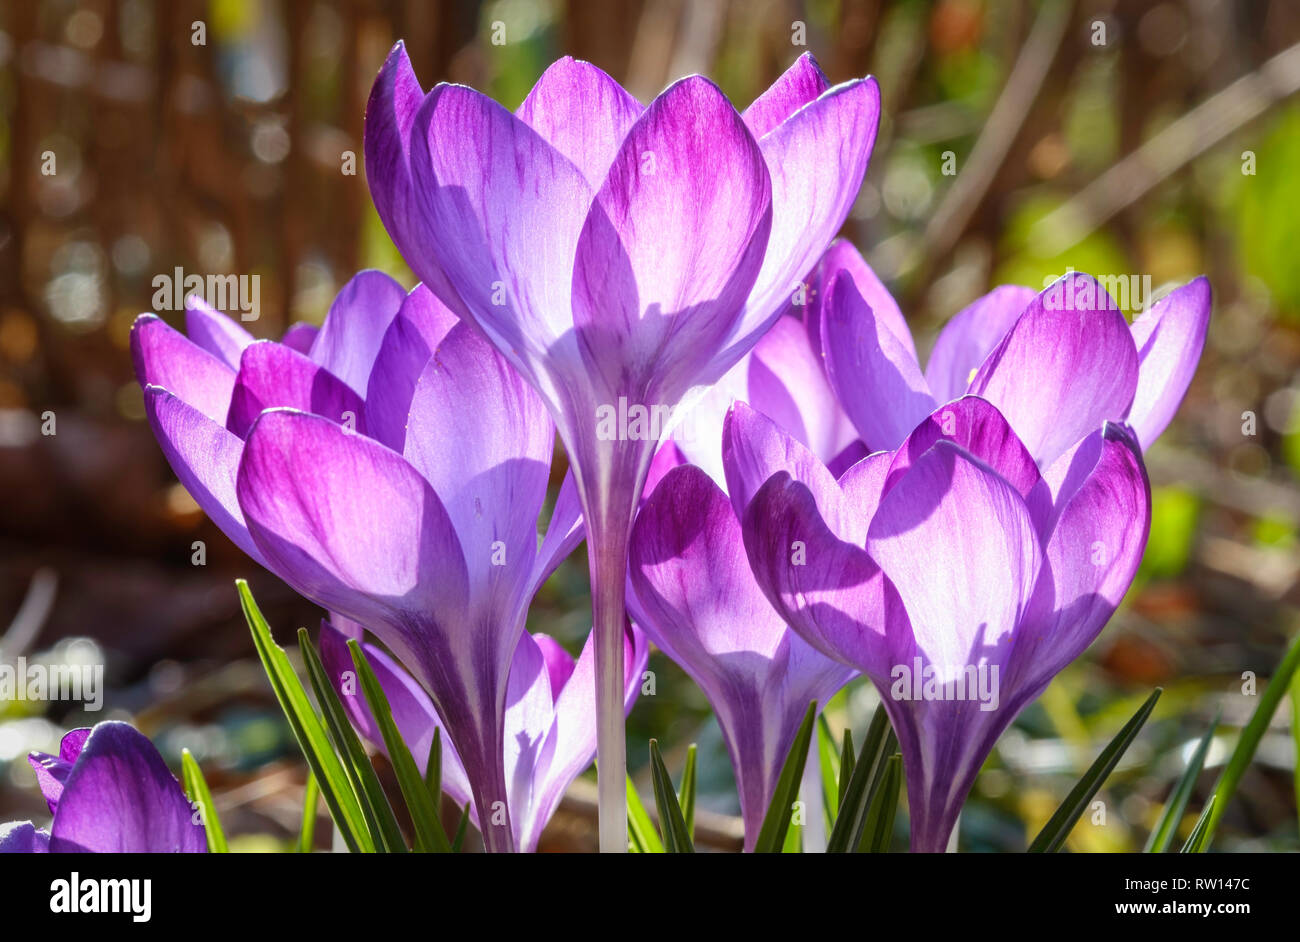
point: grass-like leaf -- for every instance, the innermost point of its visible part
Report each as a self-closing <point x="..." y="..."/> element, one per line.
<point x="1199" y="839"/>
<point x="429" y="835"/>
<point x="771" y="836"/>
<point x="458" y="841"/>
<point x="197" y="788"/>
<point x="307" y="832"/>
<point x="828" y="758"/>
<point x="642" y="836"/>
<point x="1057" y="829"/>
<point x="863" y="782"/>
<point x="1250" y="736"/>
<point x="1167" y="827"/>
<point x="878" y="828"/>
<point x="308" y="729"/>
<point x="847" y="758"/>
<point x="686" y="794"/>
<point x="671" y="822"/>
<point x="365" y="782"/>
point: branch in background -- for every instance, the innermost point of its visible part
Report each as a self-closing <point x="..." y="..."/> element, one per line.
<point x="1186" y="138"/>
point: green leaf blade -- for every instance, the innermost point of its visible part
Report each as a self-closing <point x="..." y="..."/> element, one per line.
<point x="776" y="822"/>
<point x="197" y="789"/>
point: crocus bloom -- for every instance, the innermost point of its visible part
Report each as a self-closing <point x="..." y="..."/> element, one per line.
<point x="622" y="256"/>
<point x="691" y="589"/>
<point x="550" y="728"/>
<point x="388" y="484"/>
<point x="952" y="573"/>
<point x="1056" y="363"/>
<point x="110" y="792"/>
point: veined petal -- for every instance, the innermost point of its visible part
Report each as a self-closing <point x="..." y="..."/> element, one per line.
<point x="672" y="244"/>
<point x="583" y="113"/>
<point x="803" y="82"/>
<point x="1093" y="554"/>
<point x="970" y="336"/>
<point x="559" y="662"/>
<point x="492" y="485"/>
<point x="354" y="328"/>
<point x="506" y="209"/>
<point x="216" y="333"/>
<point x="1068" y="365"/>
<point x="353" y="527"/>
<point x="817" y="159"/>
<point x="1169" y="340"/>
<point x="420" y="325"/>
<point x="167" y="358"/>
<point x="204" y="455"/>
<point x="939" y="532"/>
<point x="273" y="376"/>
<point x="875" y="376"/>
<point x="121" y="798"/>
<point x="563" y="534"/>
<point x="843" y="256"/>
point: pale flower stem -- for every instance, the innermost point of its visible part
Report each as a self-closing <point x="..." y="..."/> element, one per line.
<point x="608" y="566"/>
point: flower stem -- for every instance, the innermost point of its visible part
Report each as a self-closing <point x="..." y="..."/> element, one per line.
<point x="607" y="551"/>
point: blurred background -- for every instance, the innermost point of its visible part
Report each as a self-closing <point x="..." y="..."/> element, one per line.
<point x="1131" y="137"/>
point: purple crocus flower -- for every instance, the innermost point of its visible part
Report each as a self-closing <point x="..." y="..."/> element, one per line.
<point x="393" y="474"/>
<point x="691" y="589"/>
<point x="621" y="256"/>
<point x="550" y="729"/>
<point x="110" y="792"/>
<point x="951" y="572"/>
<point x="1056" y="363"/>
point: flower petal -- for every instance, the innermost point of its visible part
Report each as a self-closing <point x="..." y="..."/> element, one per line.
<point x="1068" y="365"/>
<point x="165" y="357"/>
<point x="672" y="244"/>
<point x="875" y="376"/>
<point x="482" y="439"/>
<point x="1169" y="340"/>
<point x="216" y="333"/>
<point x="23" y="837"/>
<point x="52" y="771"/>
<point x="273" y="376"/>
<point x="121" y="798"/>
<point x="583" y="113"/>
<point x="349" y="339"/>
<point x="300" y="337"/>
<point x="1093" y="555"/>
<point x="844" y="256"/>
<point x="798" y="85"/>
<point x="970" y="336"/>
<point x="420" y="325"/>
<point x="817" y="159"/>
<point x="353" y="527"/>
<point x="204" y="455"/>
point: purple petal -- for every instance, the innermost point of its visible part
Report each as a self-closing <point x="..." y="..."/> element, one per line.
<point x="564" y="532"/>
<point x="349" y="339"/>
<point x="205" y="458"/>
<point x="970" y="336"/>
<point x="874" y="374"/>
<point x="798" y="85"/>
<point x="273" y="376"/>
<point x="1068" y="365"/>
<point x="52" y="771"/>
<point x="817" y="160"/>
<point x="420" y="325"/>
<point x="216" y="333"/>
<point x="300" y="337"/>
<point x="583" y="113"/>
<point x="1169" y="340"/>
<point x="1093" y="555"/>
<point x="844" y="256"/>
<point x="165" y="357"/>
<point x="482" y="439"/>
<point x="559" y="662"/>
<point x="121" y="798"/>
<point x="827" y="589"/>
<point x="503" y="210"/>
<point x="412" y="709"/>
<point x="23" y="837"/>
<point x="352" y="526"/>
<point x="672" y="244"/>
<point x="754" y="448"/>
